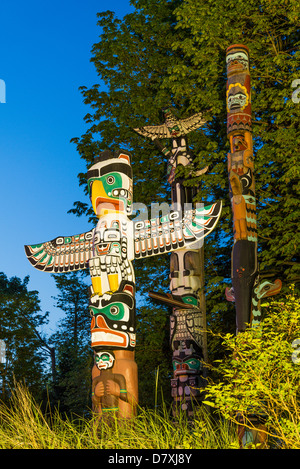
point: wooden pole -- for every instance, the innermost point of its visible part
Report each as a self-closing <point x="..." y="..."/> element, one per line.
<point x="188" y="319"/>
<point x="187" y="326"/>
<point x="247" y="289"/>
<point x="244" y="267"/>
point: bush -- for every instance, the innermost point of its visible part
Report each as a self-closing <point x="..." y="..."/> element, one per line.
<point x="260" y="375"/>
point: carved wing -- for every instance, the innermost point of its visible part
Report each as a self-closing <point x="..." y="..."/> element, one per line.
<point x="191" y="123"/>
<point x="169" y="233"/>
<point x="62" y="254"/>
<point x="183" y="127"/>
<point x="154" y="131"/>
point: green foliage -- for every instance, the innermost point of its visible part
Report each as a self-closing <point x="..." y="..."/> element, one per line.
<point x="20" y="319"/>
<point x="71" y="389"/>
<point x="24" y="426"/>
<point x="261" y="373"/>
<point x="153" y="355"/>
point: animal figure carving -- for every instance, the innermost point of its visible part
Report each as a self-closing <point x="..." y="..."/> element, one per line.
<point x="188" y="318"/>
<point x="108" y="251"/>
<point x="247" y="288"/>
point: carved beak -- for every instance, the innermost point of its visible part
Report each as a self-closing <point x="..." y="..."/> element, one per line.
<point x="101" y="202"/>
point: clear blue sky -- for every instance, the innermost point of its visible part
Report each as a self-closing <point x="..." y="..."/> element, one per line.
<point x="45" y="51"/>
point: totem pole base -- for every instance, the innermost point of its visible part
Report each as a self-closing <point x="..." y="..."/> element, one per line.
<point x="115" y="390"/>
<point x="255" y="435"/>
<point x="188" y="394"/>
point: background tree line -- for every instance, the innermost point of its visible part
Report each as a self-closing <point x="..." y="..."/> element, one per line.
<point x="172" y="53"/>
<point x="55" y="369"/>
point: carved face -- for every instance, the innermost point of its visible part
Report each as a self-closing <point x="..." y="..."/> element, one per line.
<point x="237" y="97"/>
<point x="237" y="61"/>
<point x="104" y="360"/>
<point x="184" y="273"/>
<point x="110" y="184"/>
<point x="113" y="320"/>
<point x="186" y="366"/>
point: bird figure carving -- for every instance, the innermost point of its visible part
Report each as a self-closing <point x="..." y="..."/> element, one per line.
<point x="172" y="127"/>
<point x="108" y="251"/>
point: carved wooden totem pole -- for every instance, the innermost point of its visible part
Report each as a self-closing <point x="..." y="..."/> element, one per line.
<point x="188" y="320"/>
<point x="247" y="288"/>
<point x="108" y="251"/>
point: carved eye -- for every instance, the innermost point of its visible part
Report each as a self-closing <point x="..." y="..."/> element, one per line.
<point x="90" y="183"/>
<point x="114" y="310"/>
<point x="110" y="180"/>
<point x="192" y="362"/>
<point x="111" y="235"/>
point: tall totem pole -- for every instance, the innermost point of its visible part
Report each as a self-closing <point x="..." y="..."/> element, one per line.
<point x="188" y="319"/>
<point x="107" y="251"/>
<point x="247" y="289"/>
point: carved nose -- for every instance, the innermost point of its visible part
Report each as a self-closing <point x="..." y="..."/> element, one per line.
<point x="182" y="366"/>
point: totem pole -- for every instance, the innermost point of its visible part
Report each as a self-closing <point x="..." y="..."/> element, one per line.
<point x="247" y="288"/>
<point x="188" y="320"/>
<point x="107" y="251"/>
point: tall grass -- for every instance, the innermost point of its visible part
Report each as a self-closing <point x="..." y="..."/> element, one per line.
<point x="24" y="425"/>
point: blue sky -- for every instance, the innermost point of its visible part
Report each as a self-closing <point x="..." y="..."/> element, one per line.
<point x="44" y="58"/>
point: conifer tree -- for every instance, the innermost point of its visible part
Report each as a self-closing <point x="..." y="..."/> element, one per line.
<point x="23" y="356"/>
<point x="71" y="390"/>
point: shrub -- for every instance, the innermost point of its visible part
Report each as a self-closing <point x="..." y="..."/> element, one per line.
<point x="260" y="375"/>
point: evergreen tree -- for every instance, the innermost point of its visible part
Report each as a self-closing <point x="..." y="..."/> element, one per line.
<point x="23" y="358"/>
<point x="71" y="391"/>
<point x="173" y="54"/>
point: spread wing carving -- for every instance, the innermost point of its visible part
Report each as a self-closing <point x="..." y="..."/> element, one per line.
<point x="62" y="254"/>
<point x="154" y="131"/>
<point x="191" y="123"/>
<point x="158" y="236"/>
<point x="174" y="128"/>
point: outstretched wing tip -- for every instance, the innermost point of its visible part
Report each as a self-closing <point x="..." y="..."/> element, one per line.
<point x="219" y="207"/>
<point x="152" y="239"/>
<point x="217" y="210"/>
<point x="63" y="254"/>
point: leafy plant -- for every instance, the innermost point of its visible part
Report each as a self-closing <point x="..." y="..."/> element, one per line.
<point x="261" y="374"/>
